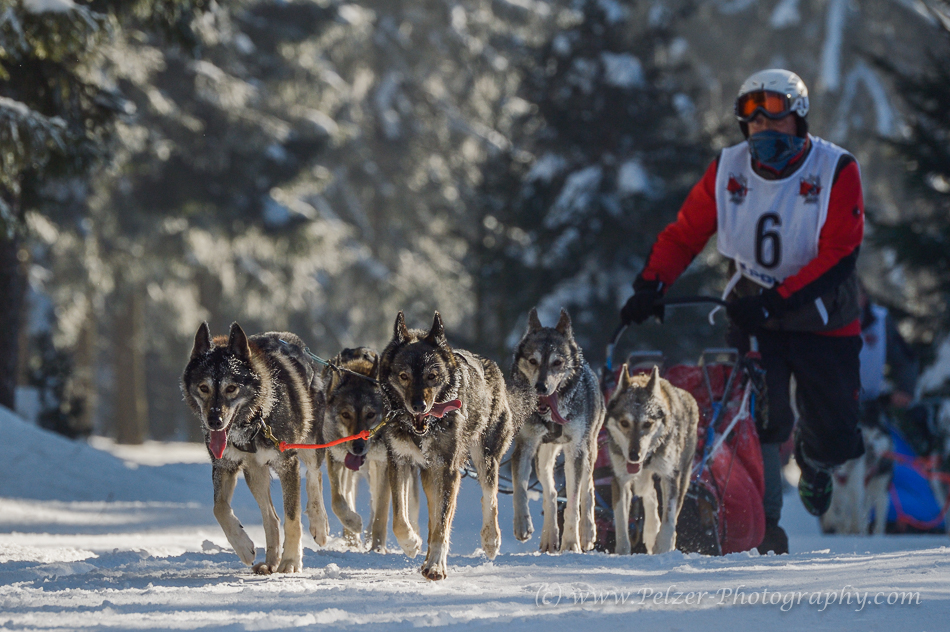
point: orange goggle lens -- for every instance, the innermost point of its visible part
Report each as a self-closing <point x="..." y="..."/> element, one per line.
<point x="771" y="104"/>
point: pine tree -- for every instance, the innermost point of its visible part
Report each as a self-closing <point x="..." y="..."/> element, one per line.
<point x="919" y="238"/>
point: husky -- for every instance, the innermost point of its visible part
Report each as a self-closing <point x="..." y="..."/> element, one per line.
<point x="861" y="486"/>
<point x="560" y="401"/>
<point x="355" y="404"/>
<point x="448" y="405"/>
<point x="243" y="389"/>
<point x="651" y="428"/>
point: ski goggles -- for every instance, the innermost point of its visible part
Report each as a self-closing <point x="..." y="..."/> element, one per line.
<point x="773" y="105"/>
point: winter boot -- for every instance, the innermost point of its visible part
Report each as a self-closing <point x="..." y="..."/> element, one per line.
<point x="814" y="486"/>
<point x="775" y="539"/>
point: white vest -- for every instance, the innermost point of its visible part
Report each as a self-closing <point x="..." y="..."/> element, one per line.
<point x="874" y="355"/>
<point x="770" y="228"/>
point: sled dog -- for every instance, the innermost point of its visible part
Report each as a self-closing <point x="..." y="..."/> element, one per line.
<point x="652" y="437"/>
<point x="354" y="404"/>
<point x="557" y="393"/>
<point x="447" y="405"/>
<point x="860" y="486"/>
<point x="241" y="388"/>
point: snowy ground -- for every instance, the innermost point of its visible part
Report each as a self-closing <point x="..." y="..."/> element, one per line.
<point x="124" y="539"/>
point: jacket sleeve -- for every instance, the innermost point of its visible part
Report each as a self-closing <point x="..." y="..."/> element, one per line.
<point x="679" y="243"/>
<point x="838" y="242"/>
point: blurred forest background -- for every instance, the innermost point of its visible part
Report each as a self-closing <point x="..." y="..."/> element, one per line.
<point x="318" y="165"/>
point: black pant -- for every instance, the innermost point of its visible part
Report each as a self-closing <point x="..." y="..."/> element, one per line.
<point x="828" y="383"/>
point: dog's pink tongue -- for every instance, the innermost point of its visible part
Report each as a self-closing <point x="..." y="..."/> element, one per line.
<point x="219" y="441"/>
<point x="441" y="410"/>
<point x="353" y="461"/>
<point x="632" y="468"/>
<point x="551" y="402"/>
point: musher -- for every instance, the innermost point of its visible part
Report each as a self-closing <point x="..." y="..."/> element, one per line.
<point x="788" y="211"/>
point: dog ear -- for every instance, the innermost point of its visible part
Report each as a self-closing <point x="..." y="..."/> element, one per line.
<point x="374" y="373"/>
<point x="400" y="331"/>
<point x="653" y="386"/>
<point x="534" y="323"/>
<point x="333" y="383"/>
<point x="237" y="343"/>
<point x="563" y="326"/>
<point x="624" y="377"/>
<point x="203" y="341"/>
<point x="436" y="335"/>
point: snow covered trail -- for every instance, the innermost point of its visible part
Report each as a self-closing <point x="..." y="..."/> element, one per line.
<point x="92" y="541"/>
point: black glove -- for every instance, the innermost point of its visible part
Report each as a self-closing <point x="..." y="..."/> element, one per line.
<point x="751" y="312"/>
<point x="643" y="303"/>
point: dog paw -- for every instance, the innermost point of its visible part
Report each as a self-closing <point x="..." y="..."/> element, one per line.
<point x="411" y="544"/>
<point x="320" y="531"/>
<point x="523" y="528"/>
<point x="434" y="571"/>
<point x="264" y="568"/>
<point x="290" y="566"/>
<point x="549" y="542"/>
<point x="570" y="545"/>
<point x="491" y="542"/>
<point x="244" y="548"/>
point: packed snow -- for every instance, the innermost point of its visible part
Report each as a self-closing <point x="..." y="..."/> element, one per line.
<point x="99" y="536"/>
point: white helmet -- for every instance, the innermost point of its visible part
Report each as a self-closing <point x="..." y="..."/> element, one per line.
<point x="780" y="81"/>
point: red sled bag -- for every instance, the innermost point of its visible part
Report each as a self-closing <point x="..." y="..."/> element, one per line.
<point x="723" y="510"/>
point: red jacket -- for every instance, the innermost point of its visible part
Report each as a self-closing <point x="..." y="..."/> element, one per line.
<point x="840" y="237"/>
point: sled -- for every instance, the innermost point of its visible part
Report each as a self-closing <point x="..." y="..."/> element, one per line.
<point x="723" y="510"/>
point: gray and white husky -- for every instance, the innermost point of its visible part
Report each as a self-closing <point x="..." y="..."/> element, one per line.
<point x="242" y="388"/>
<point x="556" y="393"/>
<point x="448" y="405"/>
<point x="652" y="437"/>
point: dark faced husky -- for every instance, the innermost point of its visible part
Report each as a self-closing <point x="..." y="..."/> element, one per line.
<point x="241" y="388"/>
<point x="557" y="392"/>
<point x="447" y="405"/>
<point x="355" y="404"/>
<point x="652" y="428"/>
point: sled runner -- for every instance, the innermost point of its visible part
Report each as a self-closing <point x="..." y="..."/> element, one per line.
<point x="723" y="510"/>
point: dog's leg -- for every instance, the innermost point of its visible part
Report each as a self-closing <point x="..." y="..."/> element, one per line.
<point x="316" y="510"/>
<point x="487" y="467"/>
<point x="257" y="478"/>
<point x="291" y="560"/>
<point x="339" y="501"/>
<point x="408" y="538"/>
<point x="415" y="498"/>
<point x="588" y="517"/>
<point x="575" y="465"/>
<point x="224" y="480"/>
<point x="622" y="496"/>
<point x="646" y="490"/>
<point x="526" y="447"/>
<point x="550" y="536"/>
<point x="379" y="495"/>
<point x="441" y="486"/>
<point x="666" y="538"/>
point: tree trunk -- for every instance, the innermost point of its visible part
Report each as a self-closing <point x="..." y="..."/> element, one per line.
<point x="131" y="404"/>
<point x="12" y="296"/>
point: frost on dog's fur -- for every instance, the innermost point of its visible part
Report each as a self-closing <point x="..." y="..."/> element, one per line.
<point x="232" y="385"/>
<point x="652" y="435"/>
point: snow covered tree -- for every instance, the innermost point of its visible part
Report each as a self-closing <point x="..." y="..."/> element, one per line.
<point x="919" y="238"/>
<point x="604" y="154"/>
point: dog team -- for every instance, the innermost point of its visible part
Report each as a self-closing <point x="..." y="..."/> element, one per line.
<point x="420" y="410"/>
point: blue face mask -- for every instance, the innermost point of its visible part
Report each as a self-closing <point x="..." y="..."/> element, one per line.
<point x="775" y="149"/>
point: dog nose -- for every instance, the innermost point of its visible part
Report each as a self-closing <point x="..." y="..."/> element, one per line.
<point x="541" y="388"/>
<point x="418" y="406"/>
<point x="215" y="421"/>
<point x="358" y="447"/>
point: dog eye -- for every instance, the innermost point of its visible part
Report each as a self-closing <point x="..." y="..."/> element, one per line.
<point x="204" y="389"/>
<point x="624" y="423"/>
<point x="404" y="376"/>
<point x="646" y="425"/>
<point x="346" y="415"/>
<point x="532" y="362"/>
<point x="557" y="362"/>
<point x="432" y="377"/>
<point x="370" y="414"/>
<point x="231" y="390"/>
